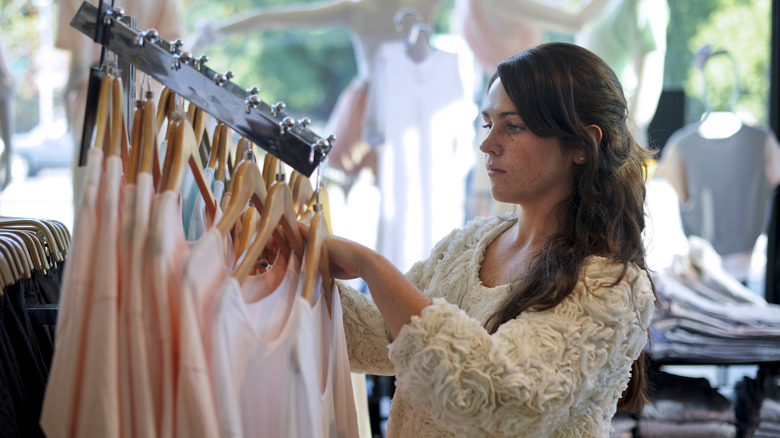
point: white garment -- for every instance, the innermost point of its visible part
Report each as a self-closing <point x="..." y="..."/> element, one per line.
<point x="265" y="363"/>
<point x="345" y="411"/>
<point x="427" y="122"/>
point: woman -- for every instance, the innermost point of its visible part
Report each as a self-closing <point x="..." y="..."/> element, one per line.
<point x="530" y="325"/>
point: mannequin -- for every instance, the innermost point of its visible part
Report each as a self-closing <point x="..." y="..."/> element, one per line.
<point x="370" y="24"/>
<point x="629" y="34"/>
<point x="698" y="155"/>
<point x="366" y="120"/>
<point x="7" y="92"/>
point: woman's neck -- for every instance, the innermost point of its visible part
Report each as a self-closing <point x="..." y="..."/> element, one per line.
<point x="532" y="231"/>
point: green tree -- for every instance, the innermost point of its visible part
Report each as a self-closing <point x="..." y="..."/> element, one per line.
<point x="742" y="29"/>
<point x="305" y="68"/>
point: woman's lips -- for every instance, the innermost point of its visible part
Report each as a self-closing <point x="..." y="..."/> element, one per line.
<point x="492" y="171"/>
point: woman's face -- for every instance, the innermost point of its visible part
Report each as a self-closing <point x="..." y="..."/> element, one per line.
<point x="523" y="168"/>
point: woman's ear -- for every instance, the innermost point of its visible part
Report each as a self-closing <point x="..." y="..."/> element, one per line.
<point x="595" y="131"/>
<point x="579" y="154"/>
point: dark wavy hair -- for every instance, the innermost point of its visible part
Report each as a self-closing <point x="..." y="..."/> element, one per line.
<point x="560" y="89"/>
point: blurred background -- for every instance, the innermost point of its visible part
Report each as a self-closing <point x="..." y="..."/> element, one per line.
<point x="309" y="67"/>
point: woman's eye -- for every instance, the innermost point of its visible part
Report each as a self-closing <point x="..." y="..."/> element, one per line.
<point x="516" y="128"/>
<point x="487" y="126"/>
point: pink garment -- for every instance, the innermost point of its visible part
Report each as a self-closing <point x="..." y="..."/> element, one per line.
<point x="166" y="253"/>
<point x="203" y="274"/>
<point x="346" y="123"/>
<point x="134" y="310"/>
<point x="59" y="411"/>
<point x="492" y="36"/>
<point x="123" y="311"/>
<point x="98" y="408"/>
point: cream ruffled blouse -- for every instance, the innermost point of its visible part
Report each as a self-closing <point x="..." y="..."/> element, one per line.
<point x="556" y="373"/>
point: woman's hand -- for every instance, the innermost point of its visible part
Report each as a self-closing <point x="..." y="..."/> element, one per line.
<point x="395" y="297"/>
<point x="347" y="258"/>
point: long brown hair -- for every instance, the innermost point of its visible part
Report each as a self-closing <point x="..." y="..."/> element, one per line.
<point x="560" y="89"/>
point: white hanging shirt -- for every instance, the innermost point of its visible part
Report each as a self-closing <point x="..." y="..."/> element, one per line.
<point x="427" y="123"/>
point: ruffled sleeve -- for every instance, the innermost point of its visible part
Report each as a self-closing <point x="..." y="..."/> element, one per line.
<point x="366" y="332"/>
<point x="538" y="371"/>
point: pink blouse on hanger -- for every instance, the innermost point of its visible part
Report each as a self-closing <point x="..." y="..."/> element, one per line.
<point x="203" y="274"/>
<point x="81" y="394"/>
<point x="166" y="253"/>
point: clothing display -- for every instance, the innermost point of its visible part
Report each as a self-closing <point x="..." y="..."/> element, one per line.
<point x="685" y="407"/>
<point x="426" y="151"/>
<point x="757" y="405"/>
<point x="30" y="272"/>
<point x="716" y="208"/>
<point x="699" y="319"/>
<point x="148" y="304"/>
<point x="515" y="365"/>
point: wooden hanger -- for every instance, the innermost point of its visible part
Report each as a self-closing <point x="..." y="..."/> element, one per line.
<point x="24" y="253"/>
<point x="184" y="146"/>
<point x="320" y="196"/>
<point x="6" y="278"/>
<point x="187" y="136"/>
<point x="302" y="192"/>
<point x="148" y="138"/>
<point x="9" y="264"/>
<point x="136" y="143"/>
<point x="170" y="138"/>
<point x="31" y="245"/>
<point x="57" y="249"/>
<point x="214" y="155"/>
<point x="294" y="175"/>
<point x="172" y="153"/>
<point x="14" y="256"/>
<point x="112" y="147"/>
<point x="247" y="184"/>
<point x="36" y="249"/>
<point x="270" y="163"/>
<point x="61" y="233"/>
<point x="66" y="237"/>
<point x="241" y="150"/>
<point x="27" y="265"/>
<point x="238" y="155"/>
<point x="118" y="106"/>
<point x="163" y="106"/>
<point x="248" y="227"/>
<point x="278" y="210"/>
<point x="101" y="120"/>
<point x="223" y="151"/>
<point x="316" y="259"/>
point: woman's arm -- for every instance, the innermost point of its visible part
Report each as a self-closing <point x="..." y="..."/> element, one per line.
<point x="552" y="17"/>
<point x="308" y="15"/>
<point x="395" y="296"/>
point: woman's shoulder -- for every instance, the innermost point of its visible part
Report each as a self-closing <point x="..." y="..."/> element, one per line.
<point x="616" y="288"/>
<point x="601" y="268"/>
<point x="481" y="226"/>
<point x="473" y="234"/>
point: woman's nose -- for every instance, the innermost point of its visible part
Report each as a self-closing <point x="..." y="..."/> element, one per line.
<point x="489" y="145"/>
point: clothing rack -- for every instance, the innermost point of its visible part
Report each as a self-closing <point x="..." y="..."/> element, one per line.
<point x="267" y="126"/>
